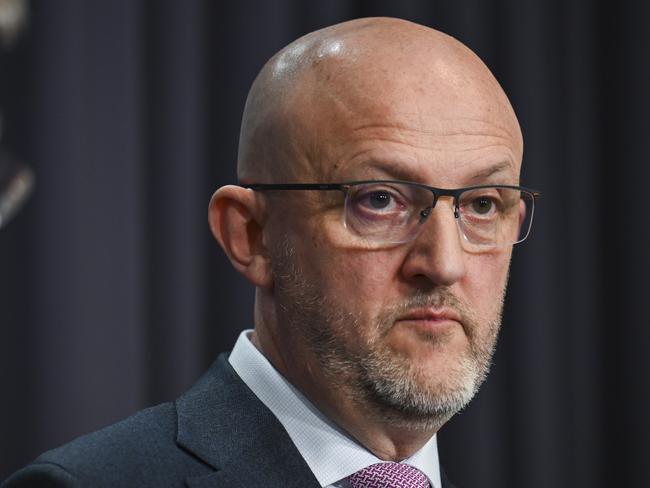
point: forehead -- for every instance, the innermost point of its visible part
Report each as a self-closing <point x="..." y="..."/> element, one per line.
<point x="429" y="132"/>
<point x="410" y="98"/>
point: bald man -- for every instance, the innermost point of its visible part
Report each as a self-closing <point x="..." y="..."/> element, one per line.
<point x="377" y="208"/>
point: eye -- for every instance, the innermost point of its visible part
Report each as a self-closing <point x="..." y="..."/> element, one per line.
<point x="482" y="205"/>
<point x="379" y="200"/>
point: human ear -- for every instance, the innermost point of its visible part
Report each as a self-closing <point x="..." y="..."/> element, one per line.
<point x="236" y="220"/>
<point x="522" y="215"/>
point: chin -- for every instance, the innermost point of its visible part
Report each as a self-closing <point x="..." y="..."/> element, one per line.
<point x="426" y="350"/>
<point x="420" y="394"/>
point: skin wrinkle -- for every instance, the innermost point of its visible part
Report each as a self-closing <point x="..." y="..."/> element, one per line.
<point x="425" y="146"/>
<point x="383" y="131"/>
<point x="505" y="139"/>
<point x="328" y="108"/>
<point x="402" y="140"/>
<point x="436" y="129"/>
<point x="486" y="146"/>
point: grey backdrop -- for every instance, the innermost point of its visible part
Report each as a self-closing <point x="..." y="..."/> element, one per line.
<point x="113" y="295"/>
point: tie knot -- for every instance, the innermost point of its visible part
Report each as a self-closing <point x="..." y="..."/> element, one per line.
<point x="389" y="475"/>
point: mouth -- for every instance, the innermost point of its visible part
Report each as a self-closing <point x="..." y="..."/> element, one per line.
<point x="431" y="320"/>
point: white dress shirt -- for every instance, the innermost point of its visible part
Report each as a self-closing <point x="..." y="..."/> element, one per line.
<point x="331" y="454"/>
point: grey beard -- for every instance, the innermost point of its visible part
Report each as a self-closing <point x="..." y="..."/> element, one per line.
<point x="376" y="377"/>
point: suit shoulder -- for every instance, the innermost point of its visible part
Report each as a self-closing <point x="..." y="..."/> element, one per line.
<point x="145" y="430"/>
<point x="41" y="475"/>
<point x="138" y="451"/>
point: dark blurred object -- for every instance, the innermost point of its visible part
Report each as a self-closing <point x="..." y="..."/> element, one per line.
<point x="16" y="179"/>
<point x="13" y="16"/>
<point x="16" y="183"/>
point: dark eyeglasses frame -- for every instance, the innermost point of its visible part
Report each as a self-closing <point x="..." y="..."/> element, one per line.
<point x="345" y="186"/>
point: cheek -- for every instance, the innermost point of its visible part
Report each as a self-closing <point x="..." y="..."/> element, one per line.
<point x="356" y="282"/>
<point x="485" y="281"/>
<point x="355" y="276"/>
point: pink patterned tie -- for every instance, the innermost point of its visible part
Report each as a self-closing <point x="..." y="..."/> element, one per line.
<point x="389" y="475"/>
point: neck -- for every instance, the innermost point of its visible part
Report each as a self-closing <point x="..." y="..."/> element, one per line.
<point x="382" y="434"/>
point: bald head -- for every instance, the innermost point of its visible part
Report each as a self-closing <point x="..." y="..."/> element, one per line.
<point x="323" y="84"/>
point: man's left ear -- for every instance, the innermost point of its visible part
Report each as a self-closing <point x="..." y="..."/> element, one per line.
<point x="236" y="218"/>
<point x="522" y="215"/>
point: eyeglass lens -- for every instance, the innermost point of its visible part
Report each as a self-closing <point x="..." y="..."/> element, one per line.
<point x="394" y="212"/>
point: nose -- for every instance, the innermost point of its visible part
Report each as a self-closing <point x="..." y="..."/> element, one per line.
<point x="436" y="254"/>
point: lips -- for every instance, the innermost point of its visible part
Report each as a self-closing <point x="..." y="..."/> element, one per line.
<point x="430" y="321"/>
<point x="430" y="315"/>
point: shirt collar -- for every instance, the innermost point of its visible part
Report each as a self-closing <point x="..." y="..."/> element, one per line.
<point x="329" y="452"/>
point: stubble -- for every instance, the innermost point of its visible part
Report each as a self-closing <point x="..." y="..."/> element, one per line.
<point x="392" y="387"/>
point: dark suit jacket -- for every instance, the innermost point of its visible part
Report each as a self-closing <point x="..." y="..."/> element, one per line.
<point x="218" y="434"/>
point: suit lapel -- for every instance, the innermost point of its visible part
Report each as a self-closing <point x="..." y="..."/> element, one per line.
<point x="222" y="422"/>
<point x="445" y="481"/>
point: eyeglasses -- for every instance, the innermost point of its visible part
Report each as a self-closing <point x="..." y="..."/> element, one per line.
<point x="386" y="212"/>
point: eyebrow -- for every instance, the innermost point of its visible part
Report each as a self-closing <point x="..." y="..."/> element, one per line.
<point x="390" y="169"/>
<point x="492" y="170"/>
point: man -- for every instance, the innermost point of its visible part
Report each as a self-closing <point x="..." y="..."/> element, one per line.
<point x="378" y="295"/>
